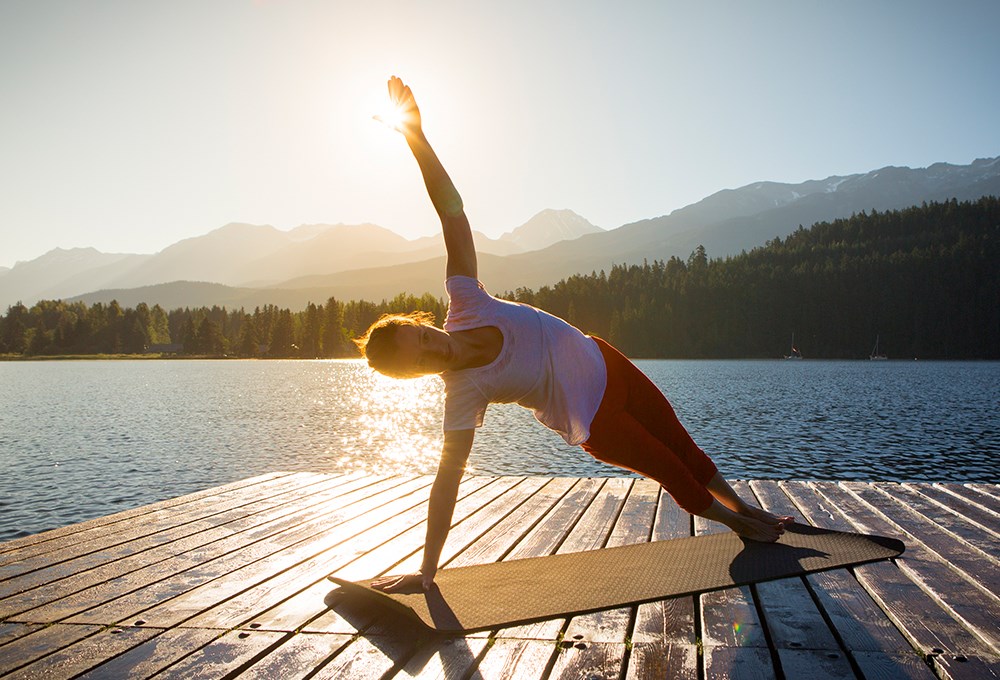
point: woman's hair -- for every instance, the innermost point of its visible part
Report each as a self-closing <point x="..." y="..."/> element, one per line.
<point x="378" y="344"/>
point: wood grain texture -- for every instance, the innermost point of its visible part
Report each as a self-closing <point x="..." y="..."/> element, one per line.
<point x="230" y="582"/>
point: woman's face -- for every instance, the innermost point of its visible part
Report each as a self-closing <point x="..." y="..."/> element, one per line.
<point x="424" y="349"/>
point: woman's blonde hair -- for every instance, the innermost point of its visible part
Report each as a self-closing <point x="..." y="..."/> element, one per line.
<point x="378" y="344"/>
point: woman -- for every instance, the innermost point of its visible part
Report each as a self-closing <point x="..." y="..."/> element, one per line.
<point x="491" y="350"/>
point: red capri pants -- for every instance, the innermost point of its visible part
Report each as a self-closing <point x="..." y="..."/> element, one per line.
<point x="636" y="428"/>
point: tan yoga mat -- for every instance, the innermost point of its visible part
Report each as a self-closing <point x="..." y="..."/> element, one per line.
<point x="486" y="596"/>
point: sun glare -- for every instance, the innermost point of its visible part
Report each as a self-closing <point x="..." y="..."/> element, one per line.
<point x="391" y="116"/>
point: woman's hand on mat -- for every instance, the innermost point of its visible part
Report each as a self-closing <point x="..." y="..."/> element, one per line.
<point x="407" y="584"/>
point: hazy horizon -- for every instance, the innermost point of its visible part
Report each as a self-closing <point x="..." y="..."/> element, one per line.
<point x="129" y="127"/>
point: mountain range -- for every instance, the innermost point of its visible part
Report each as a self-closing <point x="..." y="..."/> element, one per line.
<point x="248" y="265"/>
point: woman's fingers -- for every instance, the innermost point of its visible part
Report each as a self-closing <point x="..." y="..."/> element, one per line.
<point x="395" y="87"/>
<point x="409" y="583"/>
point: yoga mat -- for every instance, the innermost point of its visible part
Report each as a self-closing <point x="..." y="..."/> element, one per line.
<point x="486" y="596"/>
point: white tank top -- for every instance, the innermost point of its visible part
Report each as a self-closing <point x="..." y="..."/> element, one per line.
<point x="545" y="365"/>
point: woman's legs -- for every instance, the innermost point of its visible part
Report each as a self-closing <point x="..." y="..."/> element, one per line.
<point x="636" y="428"/>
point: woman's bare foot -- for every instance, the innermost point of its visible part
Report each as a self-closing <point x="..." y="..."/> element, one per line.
<point x="766" y="517"/>
<point x="757" y="530"/>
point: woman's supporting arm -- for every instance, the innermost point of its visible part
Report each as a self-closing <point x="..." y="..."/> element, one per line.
<point x="443" y="194"/>
<point x="444" y="494"/>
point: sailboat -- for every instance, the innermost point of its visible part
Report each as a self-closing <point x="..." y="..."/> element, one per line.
<point x="795" y="353"/>
<point x="875" y="356"/>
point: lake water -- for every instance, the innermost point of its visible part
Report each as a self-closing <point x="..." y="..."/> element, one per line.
<point x="80" y="439"/>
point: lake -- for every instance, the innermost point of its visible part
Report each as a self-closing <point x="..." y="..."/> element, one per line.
<point x="80" y="439"/>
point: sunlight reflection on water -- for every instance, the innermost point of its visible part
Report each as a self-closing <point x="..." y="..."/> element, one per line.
<point x="396" y="423"/>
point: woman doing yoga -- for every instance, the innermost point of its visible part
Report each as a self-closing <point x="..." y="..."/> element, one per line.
<point x="490" y="350"/>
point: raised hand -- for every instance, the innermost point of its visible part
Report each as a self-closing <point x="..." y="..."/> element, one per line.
<point x="404" y="115"/>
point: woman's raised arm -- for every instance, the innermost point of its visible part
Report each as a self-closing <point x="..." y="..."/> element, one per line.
<point x="447" y="202"/>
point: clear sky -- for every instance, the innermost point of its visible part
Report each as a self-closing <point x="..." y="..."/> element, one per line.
<point x="129" y="125"/>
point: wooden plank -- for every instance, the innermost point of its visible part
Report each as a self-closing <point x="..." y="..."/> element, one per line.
<point x="469" y="518"/>
<point x="297" y="656"/>
<point x="619" y="487"/>
<point x="108" y="541"/>
<point x="307" y="611"/>
<point x="374" y="628"/>
<point x="152" y="656"/>
<point x="663" y="636"/>
<point x="980" y="542"/>
<point x="738" y="663"/>
<point x="814" y="663"/>
<point x="734" y="644"/>
<point x="862" y="627"/>
<point x="481" y="492"/>
<point x="598" y="640"/>
<point x="12" y="631"/>
<point x="307" y="556"/>
<point x="65" y="598"/>
<point x="940" y="563"/>
<point x="884" y="666"/>
<point x="371" y="657"/>
<point x="972" y="521"/>
<point x="634" y="525"/>
<point x="226" y="654"/>
<point x="532" y="644"/>
<point x="144" y="591"/>
<point x="451" y="658"/>
<point x="511" y="658"/>
<point x="40" y="643"/>
<point x="84" y="654"/>
<point x="546" y="536"/>
<point x="490" y="545"/>
<point x="116" y="559"/>
<point x="23" y="542"/>
<point x="250" y="604"/>
<point x="923" y="521"/>
<point x="923" y="620"/>
<point x="597" y="660"/>
<point x="672" y="620"/>
<point x="796" y="626"/>
<point x="501" y="538"/>
<point x="876" y="646"/>
<point x="82" y="533"/>
<point x="971" y="494"/>
<point x="282" y="570"/>
<point x="662" y="660"/>
<point x="988" y="493"/>
<point x="466" y="531"/>
<point x="589" y="533"/>
<point x="960" y="667"/>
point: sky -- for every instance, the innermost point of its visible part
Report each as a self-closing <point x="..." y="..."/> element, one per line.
<point x="127" y="126"/>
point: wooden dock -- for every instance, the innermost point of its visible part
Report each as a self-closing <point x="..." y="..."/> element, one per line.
<point x="230" y="582"/>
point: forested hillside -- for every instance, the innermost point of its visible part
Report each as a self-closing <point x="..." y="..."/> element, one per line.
<point x="925" y="280"/>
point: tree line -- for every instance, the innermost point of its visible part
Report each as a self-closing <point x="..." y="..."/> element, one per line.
<point x="55" y="327"/>
<point x="924" y="280"/>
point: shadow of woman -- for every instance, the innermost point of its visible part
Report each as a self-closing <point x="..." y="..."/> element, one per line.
<point x="384" y="625"/>
<point x="767" y="561"/>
